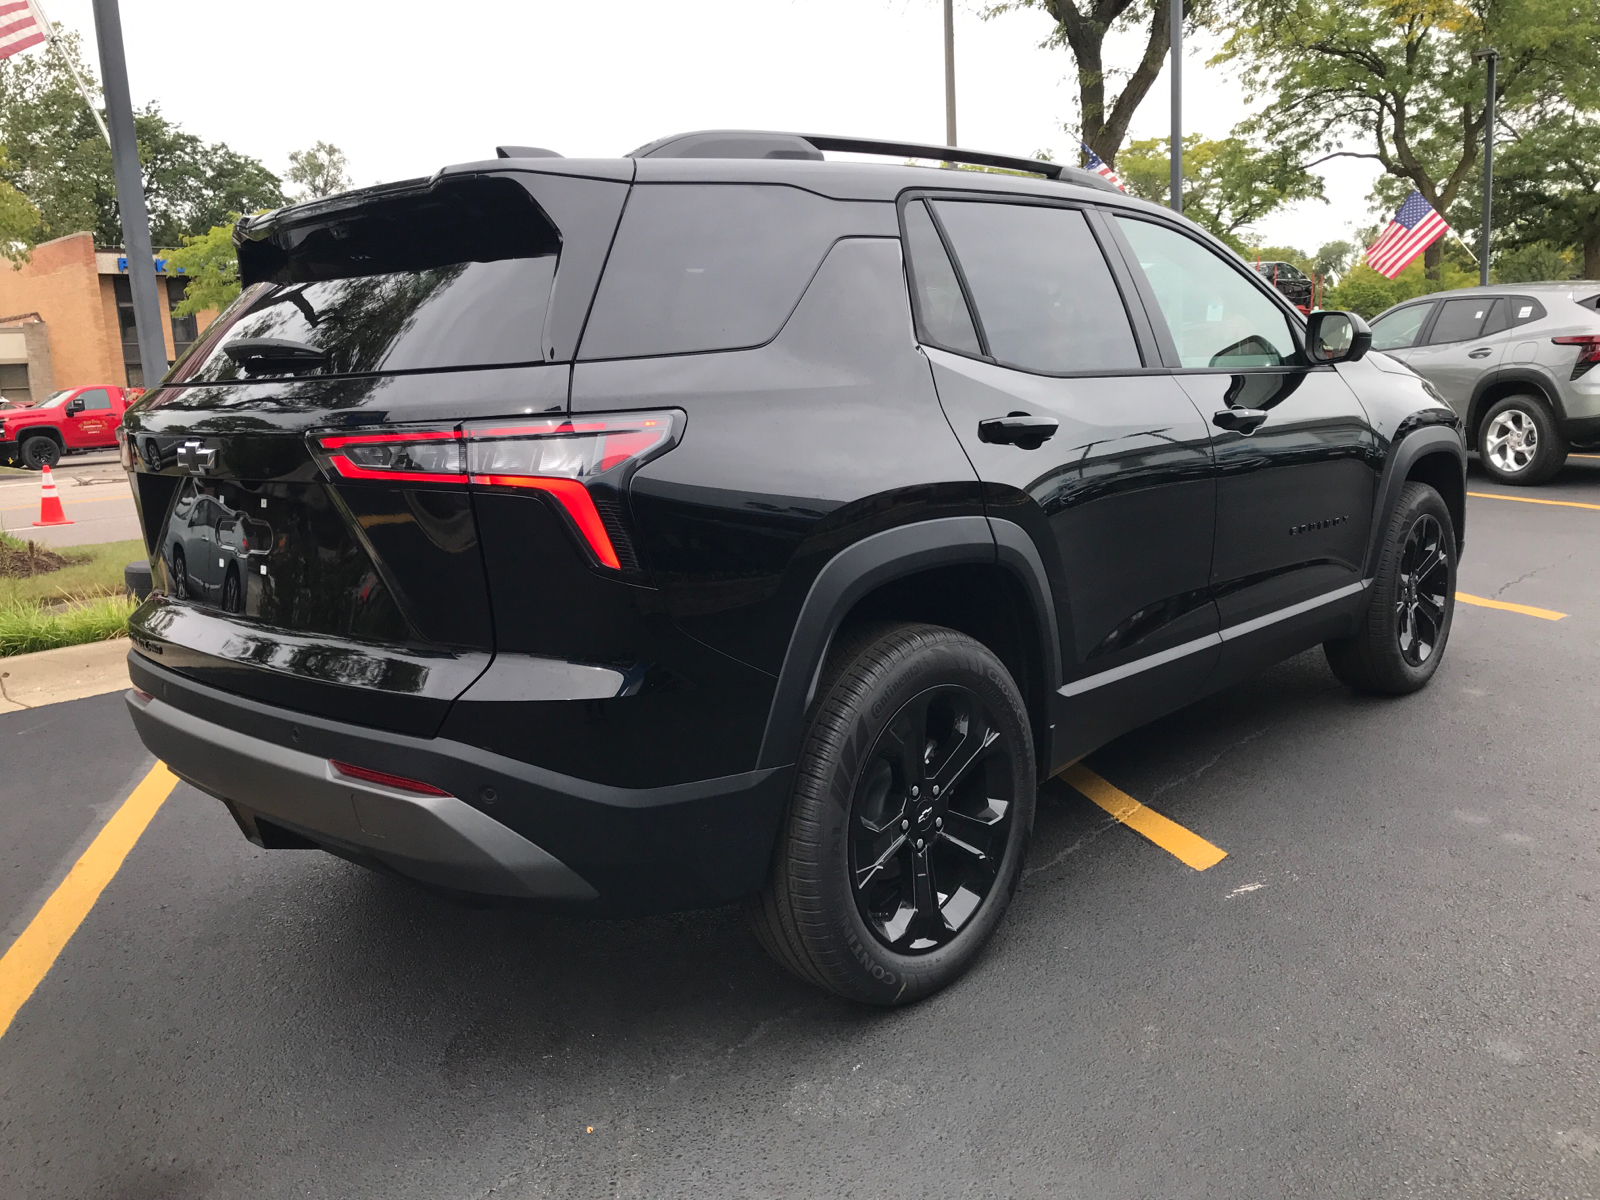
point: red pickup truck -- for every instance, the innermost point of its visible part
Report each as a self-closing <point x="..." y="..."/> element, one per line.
<point x="81" y="418"/>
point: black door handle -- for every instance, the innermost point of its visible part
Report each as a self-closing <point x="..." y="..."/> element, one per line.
<point x="1240" y="420"/>
<point x="1480" y="352"/>
<point x="1020" y="429"/>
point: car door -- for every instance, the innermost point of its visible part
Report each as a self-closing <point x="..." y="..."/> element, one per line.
<point x="1466" y="339"/>
<point x="1296" y="456"/>
<point x="204" y="567"/>
<point x="1031" y="337"/>
<point x="90" y="422"/>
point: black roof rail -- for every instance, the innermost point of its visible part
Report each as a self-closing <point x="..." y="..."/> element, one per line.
<point x="735" y="143"/>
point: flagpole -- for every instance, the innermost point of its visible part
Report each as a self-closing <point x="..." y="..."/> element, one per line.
<point x="83" y="89"/>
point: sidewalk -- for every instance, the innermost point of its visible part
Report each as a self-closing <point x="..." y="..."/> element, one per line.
<point x="70" y="673"/>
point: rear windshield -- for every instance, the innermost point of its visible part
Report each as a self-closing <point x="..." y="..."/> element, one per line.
<point x="710" y="266"/>
<point x="456" y="276"/>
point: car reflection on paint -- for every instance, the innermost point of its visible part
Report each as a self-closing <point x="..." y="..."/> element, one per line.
<point x="212" y="551"/>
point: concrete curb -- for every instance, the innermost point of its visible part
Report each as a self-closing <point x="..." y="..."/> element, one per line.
<point x="70" y="673"/>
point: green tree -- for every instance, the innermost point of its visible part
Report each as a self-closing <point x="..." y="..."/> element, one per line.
<point x="319" y="171"/>
<point x="1536" y="262"/>
<point x="1395" y="81"/>
<point x="211" y="265"/>
<point x="1548" y="182"/>
<point x="1228" y="184"/>
<point x="57" y="158"/>
<point x="19" y="220"/>
<point x="1083" y="26"/>
<point x="1364" y="291"/>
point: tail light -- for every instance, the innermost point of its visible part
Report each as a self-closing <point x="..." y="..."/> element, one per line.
<point x="1588" y="351"/>
<point x="367" y="774"/>
<point x="574" y="462"/>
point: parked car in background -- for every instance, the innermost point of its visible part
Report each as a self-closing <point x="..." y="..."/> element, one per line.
<point x="1288" y="279"/>
<point x="1516" y="362"/>
<point x="837" y="505"/>
<point x="82" y="418"/>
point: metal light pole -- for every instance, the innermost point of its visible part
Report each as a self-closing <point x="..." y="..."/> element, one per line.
<point x="949" y="73"/>
<point x="130" y="191"/>
<point x="1176" y="10"/>
<point x="1490" y="57"/>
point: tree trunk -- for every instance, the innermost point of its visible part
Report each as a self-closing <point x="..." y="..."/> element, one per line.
<point x="1430" y="260"/>
<point x="1591" y="256"/>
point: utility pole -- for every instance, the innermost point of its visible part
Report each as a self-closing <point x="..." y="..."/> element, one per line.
<point x="1490" y="57"/>
<point x="949" y="73"/>
<point x="130" y="191"/>
<point x="1176" y="9"/>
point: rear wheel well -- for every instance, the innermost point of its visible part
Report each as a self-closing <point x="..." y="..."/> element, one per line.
<point x="988" y="604"/>
<point x="1497" y="392"/>
<point x="1442" y="472"/>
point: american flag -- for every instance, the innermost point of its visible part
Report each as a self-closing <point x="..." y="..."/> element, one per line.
<point x="1097" y="164"/>
<point x="20" y="27"/>
<point x="1414" y="228"/>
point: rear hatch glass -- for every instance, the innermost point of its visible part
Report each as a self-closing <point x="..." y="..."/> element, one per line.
<point x="454" y="275"/>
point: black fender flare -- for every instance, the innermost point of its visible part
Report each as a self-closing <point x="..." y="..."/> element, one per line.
<point x="1407" y="449"/>
<point x="1529" y="376"/>
<point x="49" y="431"/>
<point x="868" y="564"/>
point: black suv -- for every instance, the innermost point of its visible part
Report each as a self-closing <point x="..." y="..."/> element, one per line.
<point x="721" y="523"/>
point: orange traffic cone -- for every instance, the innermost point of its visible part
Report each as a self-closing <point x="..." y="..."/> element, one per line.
<point x="50" y="510"/>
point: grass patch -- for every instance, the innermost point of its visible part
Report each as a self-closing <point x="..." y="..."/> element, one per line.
<point x="92" y="572"/>
<point x="27" y="626"/>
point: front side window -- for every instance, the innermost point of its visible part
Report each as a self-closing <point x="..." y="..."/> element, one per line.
<point x="97" y="398"/>
<point x="1217" y="317"/>
<point x="1046" y="300"/>
<point x="1399" y="329"/>
<point x="1460" y="320"/>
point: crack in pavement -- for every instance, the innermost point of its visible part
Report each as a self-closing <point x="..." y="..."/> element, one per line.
<point x="1532" y="573"/>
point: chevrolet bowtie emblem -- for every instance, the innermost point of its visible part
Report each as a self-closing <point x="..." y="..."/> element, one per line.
<point x="196" y="457"/>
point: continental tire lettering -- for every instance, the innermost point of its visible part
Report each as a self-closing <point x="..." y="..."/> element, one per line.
<point x="874" y="968"/>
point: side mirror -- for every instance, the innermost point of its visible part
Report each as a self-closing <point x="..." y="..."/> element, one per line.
<point x="1334" y="337"/>
<point x="75" y="405"/>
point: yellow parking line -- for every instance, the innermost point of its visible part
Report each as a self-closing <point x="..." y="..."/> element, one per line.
<point x="1583" y="456"/>
<point x="1189" y="848"/>
<point x="1527" y="610"/>
<point x="31" y="956"/>
<point x="1532" y="500"/>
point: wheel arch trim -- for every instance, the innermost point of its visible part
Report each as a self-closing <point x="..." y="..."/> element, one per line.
<point x="1525" y="376"/>
<point x="1407" y="450"/>
<point x="866" y="565"/>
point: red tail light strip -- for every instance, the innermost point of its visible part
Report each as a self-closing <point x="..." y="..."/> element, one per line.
<point x="349" y="470"/>
<point x="574" y="497"/>
<point x="386" y="779"/>
<point x="409" y="435"/>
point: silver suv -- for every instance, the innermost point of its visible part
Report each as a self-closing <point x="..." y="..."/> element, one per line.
<point x="1516" y="362"/>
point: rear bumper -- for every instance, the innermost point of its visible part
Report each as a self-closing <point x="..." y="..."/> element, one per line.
<point x="506" y="829"/>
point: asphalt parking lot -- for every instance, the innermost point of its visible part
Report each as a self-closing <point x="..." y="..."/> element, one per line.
<point x="1387" y="988"/>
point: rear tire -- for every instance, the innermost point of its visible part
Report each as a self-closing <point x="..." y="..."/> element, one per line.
<point x="39" y="452"/>
<point x="180" y="575"/>
<point x="1519" y="442"/>
<point x="232" y="592"/>
<point x="912" y="807"/>
<point x="1410" y="604"/>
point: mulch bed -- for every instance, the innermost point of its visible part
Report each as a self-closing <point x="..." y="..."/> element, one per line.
<point x="32" y="559"/>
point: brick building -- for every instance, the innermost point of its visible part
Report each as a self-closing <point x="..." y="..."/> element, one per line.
<point x="66" y="319"/>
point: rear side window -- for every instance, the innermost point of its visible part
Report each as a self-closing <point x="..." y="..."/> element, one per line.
<point x="1046" y="300"/>
<point x="942" y="314"/>
<point x="454" y="276"/>
<point x="1398" y="330"/>
<point x="716" y="266"/>
<point x="1460" y="319"/>
<point x="1523" y="309"/>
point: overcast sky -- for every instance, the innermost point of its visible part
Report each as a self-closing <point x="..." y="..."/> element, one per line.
<point x="404" y="88"/>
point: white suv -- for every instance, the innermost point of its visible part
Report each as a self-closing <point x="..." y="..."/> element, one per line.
<point x="1516" y="362"/>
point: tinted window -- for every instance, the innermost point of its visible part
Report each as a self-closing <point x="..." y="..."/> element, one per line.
<point x="1045" y="297"/>
<point x="95" y="398"/>
<point x="1525" y="308"/>
<point x="942" y="314"/>
<point x="1217" y="317"/>
<point x="709" y="267"/>
<point x="457" y="276"/>
<point x="1459" y="320"/>
<point x="1399" y="329"/>
<point x="1499" y="318"/>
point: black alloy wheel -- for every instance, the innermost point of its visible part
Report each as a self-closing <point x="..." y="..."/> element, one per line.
<point x="1400" y="638"/>
<point x="39" y="452"/>
<point x="1419" y="603"/>
<point x="930" y="819"/>
<point x="909" y="817"/>
<point x="232" y="592"/>
<point x="180" y="574"/>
